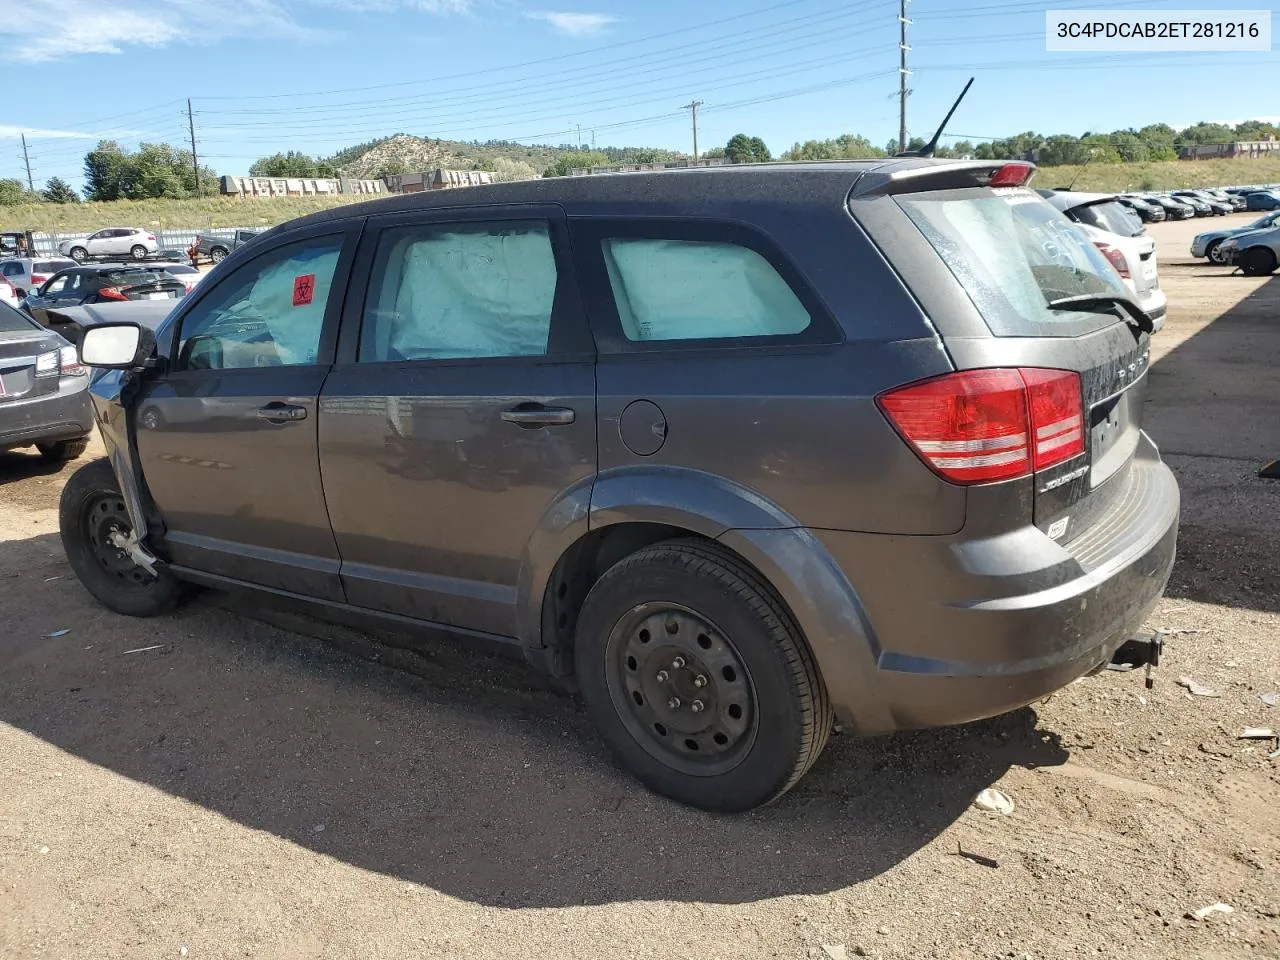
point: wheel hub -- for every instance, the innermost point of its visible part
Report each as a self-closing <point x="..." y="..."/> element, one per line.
<point x="107" y="524"/>
<point x="681" y="687"/>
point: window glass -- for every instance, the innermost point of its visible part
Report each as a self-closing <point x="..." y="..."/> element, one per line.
<point x="268" y="313"/>
<point x="56" y="285"/>
<point x="460" y="290"/>
<point x="685" y="290"/>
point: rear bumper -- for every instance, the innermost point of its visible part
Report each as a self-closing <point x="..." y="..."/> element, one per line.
<point x="965" y="628"/>
<point x="61" y="416"/>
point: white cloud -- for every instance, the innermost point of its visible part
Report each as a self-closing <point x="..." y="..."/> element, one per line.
<point x="36" y="133"/>
<point x="58" y="29"/>
<point x="575" y="24"/>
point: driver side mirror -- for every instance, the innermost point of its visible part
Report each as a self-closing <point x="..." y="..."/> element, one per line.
<point x="117" y="346"/>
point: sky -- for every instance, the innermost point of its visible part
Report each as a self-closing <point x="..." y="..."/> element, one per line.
<point x="318" y="75"/>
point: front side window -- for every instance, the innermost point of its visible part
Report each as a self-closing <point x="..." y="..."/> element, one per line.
<point x="462" y="290"/>
<point x="696" y="289"/>
<point x="268" y="313"/>
<point x="56" y="285"/>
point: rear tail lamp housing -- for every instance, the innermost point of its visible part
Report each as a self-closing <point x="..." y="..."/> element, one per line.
<point x="985" y="426"/>
<point x="1114" y="257"/>
<point x="111" y="293"/>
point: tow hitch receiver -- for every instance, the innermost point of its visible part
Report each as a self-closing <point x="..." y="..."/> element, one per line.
<point x="1140" y="652"/>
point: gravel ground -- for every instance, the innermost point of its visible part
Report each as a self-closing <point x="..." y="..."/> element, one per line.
<point x="252" y="784"/>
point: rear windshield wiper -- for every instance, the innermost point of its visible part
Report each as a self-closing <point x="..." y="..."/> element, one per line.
<point x="1102" y="303"/>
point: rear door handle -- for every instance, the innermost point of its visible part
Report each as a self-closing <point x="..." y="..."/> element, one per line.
<point x="278" y="412"/>
<point x="533" y="415"/>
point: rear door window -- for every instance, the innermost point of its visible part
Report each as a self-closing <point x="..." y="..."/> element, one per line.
<point x="1015" y="254"/>
<point x="1110" y="216"/>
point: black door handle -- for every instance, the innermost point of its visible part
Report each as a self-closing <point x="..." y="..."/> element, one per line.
<point x="277" y="412"/>
<point x="534" y="415"/>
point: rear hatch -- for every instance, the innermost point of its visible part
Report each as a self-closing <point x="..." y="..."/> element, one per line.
<point x="142" y="285"/>
<point x="1137" y="247"/>
<point x="1017" y="259"/>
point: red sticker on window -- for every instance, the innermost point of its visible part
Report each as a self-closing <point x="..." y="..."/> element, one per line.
<point x="303" y="289"/>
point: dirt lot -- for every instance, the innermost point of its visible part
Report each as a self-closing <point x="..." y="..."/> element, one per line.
<point x="244" y="790"/>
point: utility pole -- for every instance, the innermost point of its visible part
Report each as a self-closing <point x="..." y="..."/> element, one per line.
<point x="26" y="158"/>
<point x="593" y="139"/>
<point x="903" y="22"/>
<point x="195" y="161"/>
<point x="693" y="110"/>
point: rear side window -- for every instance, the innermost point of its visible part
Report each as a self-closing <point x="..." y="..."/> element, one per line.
<point x="51" y="266"/>
<point x="451" y="291"/>
<point x="1110" y="216"/>
<point x="130" y="278"/>
<point x="698" y="290"/>
<point x="1015" y="254"/>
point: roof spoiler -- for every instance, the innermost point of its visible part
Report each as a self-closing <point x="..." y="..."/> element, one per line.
<point x="912" y="177"/>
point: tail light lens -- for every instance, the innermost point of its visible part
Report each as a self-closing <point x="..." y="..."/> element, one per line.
<point x="1115" y="257"/>
<point x="69" y="363"/>
<point x="38" y="278"/>
<point x="47" y="364"/>
<point x="111" y="293"/>
<point x="982" y="426"/>
<point x="1013" y="174"/>
<point x="151" y="237"/>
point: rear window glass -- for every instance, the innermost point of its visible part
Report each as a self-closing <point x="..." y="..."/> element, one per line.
<point x="51" y="266"/>
<point x="129" y="278"/>
<point x="1015" y="254"/>
<point x="179" y="268"/>
<point x="11" y="321"/>
<point x="1110" y="216"/>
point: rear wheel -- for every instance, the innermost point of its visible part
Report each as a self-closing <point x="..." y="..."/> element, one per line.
<point x="218" y="254"/>
<point x="698" y="679"/>
<point x="137" y="251"/>
<point x="79" y="254"/>
<point x="63" y="449"/>
<point x="1257" y="262"/>
<point x="1214" y="252"/>
<point x="91" y="512"/>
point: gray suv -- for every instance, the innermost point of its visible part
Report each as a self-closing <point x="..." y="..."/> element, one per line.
<point x="742" y="450"/>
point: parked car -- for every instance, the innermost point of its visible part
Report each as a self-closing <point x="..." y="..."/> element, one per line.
<point x="1262" y="200"/>
<point x="188" y="274"/>
<point x="70" y="322"/>
<point x="1217" y="208"/>
<point x="26" y="273"/>
<point x="742" y="449"/>
<point x="1210" y="244"/>
<point x="44" y="400"/>
<point x="216" y="248"/>
<point x="1173" y="209"/>
<point x="1236" y="201"/>
<point x="1120" y="236"/>
<point x="111" y="242"/>
<point x="1147" y="211"/>
<point x="1256" y="253"/>
<point x="100" y="283"/>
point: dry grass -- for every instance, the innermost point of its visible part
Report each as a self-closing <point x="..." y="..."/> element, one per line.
<point x="158" y="214"/>
<point x="1164" y="175"/>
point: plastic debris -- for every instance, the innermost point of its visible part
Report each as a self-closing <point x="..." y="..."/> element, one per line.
<point x="1258" y="733"/>
<point x="994" y="801"/>
<point x="975" y="857"/>
<point x="142" y="649"/>
<point x="1197" y="689"/>
<point x="51" y="579"/>
<point x="1210" y="910"/>
<point x="1274" y="755"/>
<point x="44" y="849"/>
<point x="58" y="633"/>
<point x="1271" y="698"/>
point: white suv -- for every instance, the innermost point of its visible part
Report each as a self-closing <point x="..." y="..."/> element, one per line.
<point x="111" y="242"/>
<point x="1119" y="234"/>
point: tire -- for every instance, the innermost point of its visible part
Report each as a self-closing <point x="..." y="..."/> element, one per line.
<point x="1256" y="262"/>
<point x="218" y="254"/>
<point x="79" y="254"/>
<point x="63" y="450"/>
<point x="138" y="251"/>
<point x="748" y="713"/>
<point x="90" y="508"/>
<point x="1213" y="252"/>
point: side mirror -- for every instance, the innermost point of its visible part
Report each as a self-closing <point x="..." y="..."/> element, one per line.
<point x="117" y="346"/>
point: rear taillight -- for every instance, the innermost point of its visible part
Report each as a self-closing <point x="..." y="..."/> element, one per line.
<point x="39" y="278"/>
<point x="151" y="237"/>
<point x="111" y="293"/>
<point x="980" y="426"/>
<point x="1013" y="174"/>
<point x="1115" y="257"/>
<point x="69" y="364"/>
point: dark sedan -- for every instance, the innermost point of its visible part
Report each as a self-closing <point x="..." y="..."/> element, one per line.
<point x="102" y="284"/>
<point x="44" y="398"/>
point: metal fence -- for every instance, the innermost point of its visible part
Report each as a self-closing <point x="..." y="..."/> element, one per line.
<point x="178" y="238"/>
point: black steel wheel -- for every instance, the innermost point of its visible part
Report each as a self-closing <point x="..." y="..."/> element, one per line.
<point x="698" y="678"/>
<point x="1256" y="262"/>
<point x="92" y="521"/>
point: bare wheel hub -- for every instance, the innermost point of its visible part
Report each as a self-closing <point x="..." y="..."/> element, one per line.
<point x="681" y="687"/>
